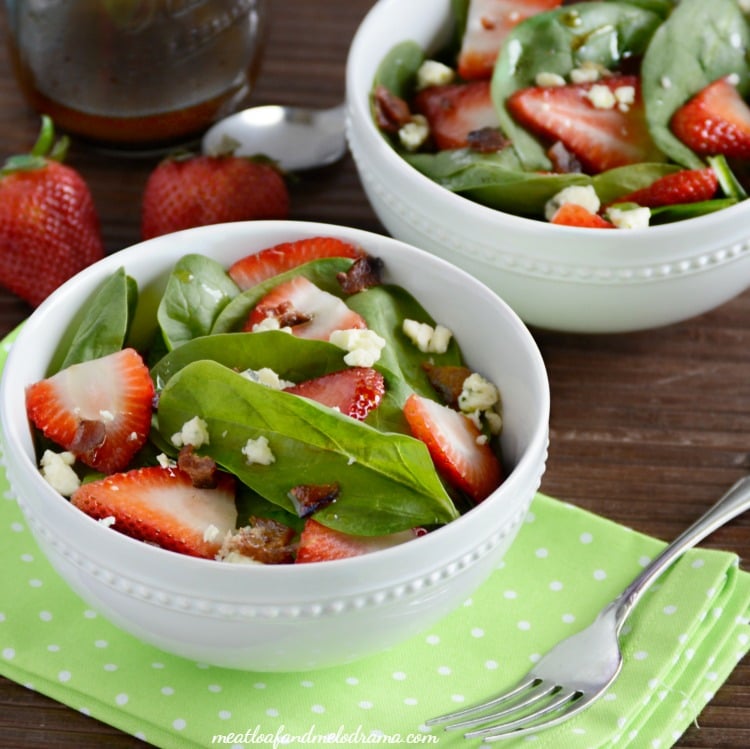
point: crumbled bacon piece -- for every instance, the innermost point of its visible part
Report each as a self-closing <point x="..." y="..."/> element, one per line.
<point x="265" y="540"/>
<point x="391" y="111"/>
<point x="89" y="435"/>
<point x="486" y="140"/>
<point x="487" y="23"/>
<point x="563" y="160"/>
<point x="201" y="468"/>
<point x="288" y="316"/>
<point x="363" y="274"/>
<point x="447" y="380"/>
<point x="309" y="498"/>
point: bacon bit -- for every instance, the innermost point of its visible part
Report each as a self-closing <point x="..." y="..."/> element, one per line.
<point x="563" y="161"/>
<point x="265" y="540"/>
<point x="363" y="274"/>
<point x="391" y="111"/>
<point x="288" y="316"/>
<point x="89" y="435"/>
<point x="201" y="469"/>
<point x="488" y="23"/>
<point x="486" y="140"/>
<point x="447" y="380"/>
<point x="309" y="498"/>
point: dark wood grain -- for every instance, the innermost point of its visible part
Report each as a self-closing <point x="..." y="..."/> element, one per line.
<point x="647" y="429"/>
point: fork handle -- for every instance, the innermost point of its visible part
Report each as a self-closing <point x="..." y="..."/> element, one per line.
<point x="733" y="503"/>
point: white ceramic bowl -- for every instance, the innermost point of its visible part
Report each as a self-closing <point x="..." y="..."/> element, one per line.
<point x="278" y="618"/>
<point x="561" y="278"/>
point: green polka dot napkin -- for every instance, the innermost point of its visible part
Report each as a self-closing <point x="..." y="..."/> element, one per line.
<point x="685" y="637"/>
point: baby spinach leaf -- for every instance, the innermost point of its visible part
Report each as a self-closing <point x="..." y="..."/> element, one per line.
<point x="679" y="212"/>
<point x="615" y="183"/>
<point x="197" y="290"/>
<point x="728" y="181"/>
<point x="387" y="481"/>
<point x="104" y="327"/>
<point x="699" y="42"/>
<point x="251" y="504"/>
<point x="398" y="69"/>
<point x="558" y="41"/>
<point x="385" y="308"/>
<point x="321" y="272"/>
<point x="292" y="358"/>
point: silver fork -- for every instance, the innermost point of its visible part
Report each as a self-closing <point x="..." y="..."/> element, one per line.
<point x="578" y="670"/>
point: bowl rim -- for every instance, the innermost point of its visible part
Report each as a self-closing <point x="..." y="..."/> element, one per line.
<point x="12" y="438"/>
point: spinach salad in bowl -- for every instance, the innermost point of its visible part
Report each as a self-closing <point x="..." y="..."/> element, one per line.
<point x="602" y="114"/>
<point x="292" y="408"/>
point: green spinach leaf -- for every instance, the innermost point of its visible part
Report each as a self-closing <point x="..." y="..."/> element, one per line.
<point x="558" y="41"/>
<point x="700" y="42"/>
<point x="104" y="327"/>
<point x="387" y="481"/>
<point x="197" y="290"/>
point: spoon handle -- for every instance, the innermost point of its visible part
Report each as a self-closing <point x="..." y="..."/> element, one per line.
<point x="733" y="503"/>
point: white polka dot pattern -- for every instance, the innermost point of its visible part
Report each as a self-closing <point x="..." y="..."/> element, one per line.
<point x="681" y="644"/>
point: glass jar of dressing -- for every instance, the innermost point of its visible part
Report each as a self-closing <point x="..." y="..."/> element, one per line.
<point x="136" y="74"/>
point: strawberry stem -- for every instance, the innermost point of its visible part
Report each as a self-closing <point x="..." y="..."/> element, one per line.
<point x="45" y="149"/>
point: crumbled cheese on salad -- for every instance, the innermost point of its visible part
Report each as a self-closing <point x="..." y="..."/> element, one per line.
<point x="266" y="376"/>
<point x="364" y="345"/>
<point x="193" y="432"/>
<point x="587" y="72"/>
<point x="625" y="96"/>
<point x="629" y="218"/>
<point x="434" y="73"/>
<point x="270" y="323"/>
<point x="549" y="80"/>
<point x="57" y="470"/>
<point x="165" y="461"/>
<point x="414" y="134"/>
<point x="107" y="522"/>
<point x="427" y="339"/>
<point x="583" y="195"/>
<point x="211" y="533"/>
<point x="257" y="451"/>
<point x="477" y="394"/>
<point x="601" y="96"/>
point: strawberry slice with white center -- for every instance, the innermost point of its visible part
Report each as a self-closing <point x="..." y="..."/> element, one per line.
<point x="267" y="263"/>
<point x="161" y="506"/>
<point x="456" y="446"/>
<point x="318" y="543"/>
<point x="307" y="309"/>
<point x="456" y="109"/>
<point x="602" y="123"/>
<point x="715" y="121"/>
<point x="355" y="391"/>
<point x="100" y="410"/>
<point x="487" y="24"/>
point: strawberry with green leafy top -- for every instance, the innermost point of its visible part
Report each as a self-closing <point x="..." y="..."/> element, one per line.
<point x="49" y="228"/>
<point x="187" y="191"/>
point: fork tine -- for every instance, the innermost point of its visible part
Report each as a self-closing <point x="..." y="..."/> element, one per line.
<point x="559" y="701"/>
<point x="525" y="683"/>
<point x="527" y="699"/>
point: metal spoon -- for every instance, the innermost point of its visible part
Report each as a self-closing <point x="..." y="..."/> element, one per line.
<point x="295" y="137"/>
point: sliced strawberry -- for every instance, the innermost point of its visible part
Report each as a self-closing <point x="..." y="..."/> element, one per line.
<point x="304" y="307"/>
<point x="715" y="121"/>
<point x="355" y="391"/>
<point x="686" y="186"/>
<point x="253" y="269"/>
<point x="318" y="543"/>
<point x="100" y="409"/>
<point x="601" y="137"/>
<point x="572" y="214"/>
<point x="456" y="447"/>
<point x="487" y="24"/>
<point x="455" y="110"/>
<point x="161" y="506"/>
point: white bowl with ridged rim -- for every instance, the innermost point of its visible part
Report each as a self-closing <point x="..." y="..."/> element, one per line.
<point x="283" y="618"/>
<point x="561" y="278"/>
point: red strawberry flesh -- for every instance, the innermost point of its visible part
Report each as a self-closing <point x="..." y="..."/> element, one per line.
<point x="686" y="186"/>
<point x="254" y="269"/>
<point x="100" y="409"/>
<point x="161" y="506"/>
<point x="571" y="214"/>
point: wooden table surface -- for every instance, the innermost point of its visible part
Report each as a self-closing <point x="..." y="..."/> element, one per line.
<point x="647" y="429"/>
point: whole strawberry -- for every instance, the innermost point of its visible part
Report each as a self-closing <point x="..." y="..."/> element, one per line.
<point x="188" y="191"/>
<point x="49" y="228"/>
